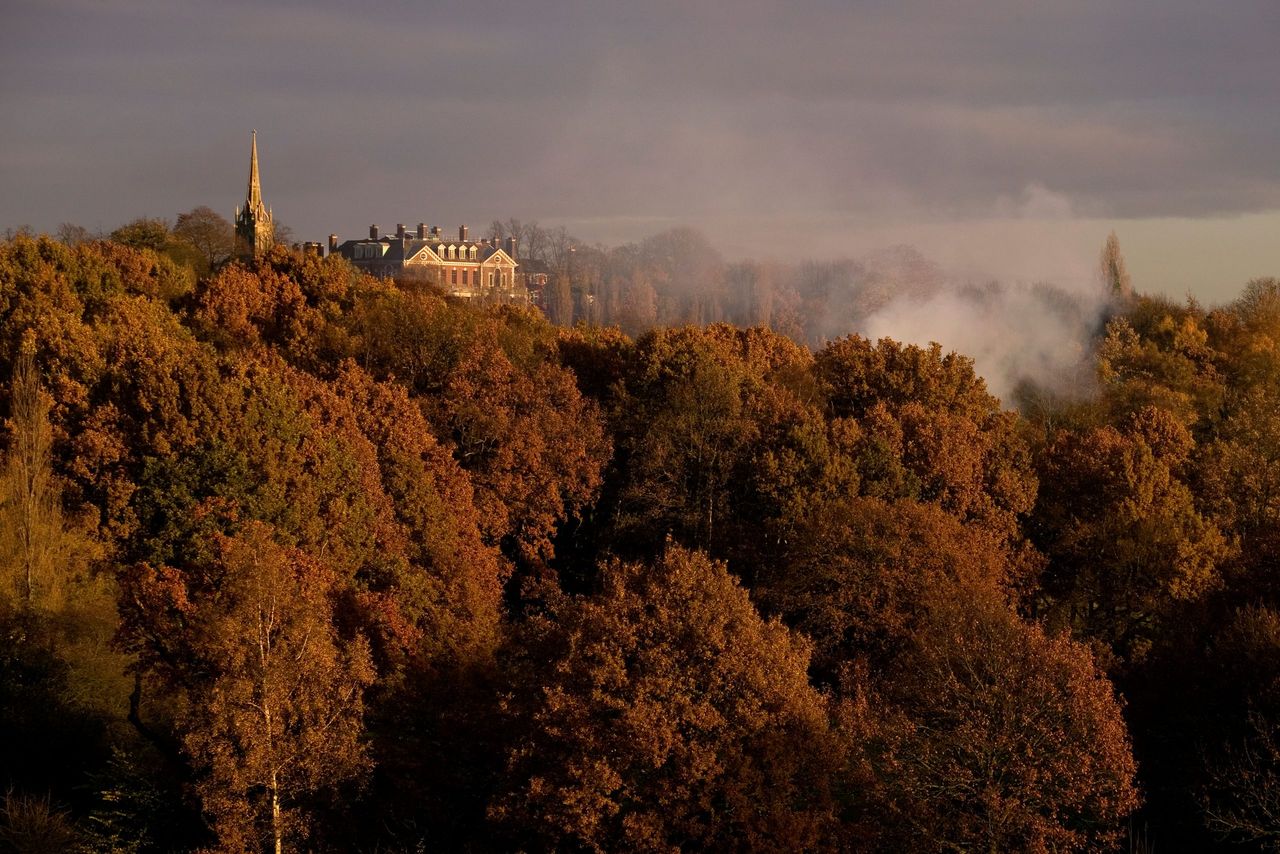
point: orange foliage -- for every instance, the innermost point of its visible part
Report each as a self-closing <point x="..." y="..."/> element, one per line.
<point x="1138" y="546"/>
<point x="663" y="714"/>
<point x="930" y="430"/>
<point x="858" y="571"/>
<point x="271" y="697"/>
<point x="990" y="735"/>
<point x="456" y="577"/>
<point x="512" y="416"/>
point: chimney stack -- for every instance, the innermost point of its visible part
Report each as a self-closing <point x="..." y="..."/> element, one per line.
<point x="333" y="243"/>
<point x="373" y="232"/>
<point x="435" y="231"/>
<point x="422" y="231"/>
<point x="400" y="230"/>
<point x="462" y="234"/>
<point x="511" y="247"/>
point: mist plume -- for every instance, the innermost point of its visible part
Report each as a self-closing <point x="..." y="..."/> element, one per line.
<point x="1016" y="333"/>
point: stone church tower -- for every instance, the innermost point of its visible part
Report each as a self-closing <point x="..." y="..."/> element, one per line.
<point x="255" y="230"/>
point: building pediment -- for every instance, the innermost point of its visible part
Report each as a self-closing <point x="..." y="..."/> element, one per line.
<point x="423" y="256"/>
<point x="499" y="258"/>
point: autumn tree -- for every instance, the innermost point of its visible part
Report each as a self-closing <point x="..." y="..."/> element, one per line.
<point x="429" y="717"/>
<point x="143" y="233"/>
<point x="242" y="434"/>
<point x="1111" y="268"/>
<point x="971" y="729"/>
<point x="47" y="559"/>
<point x="994" y="736"/>
<point x="1240" y="793"/>
<point x="61" y="685"/>
<point x="663" y="714"/>
<point x="493" y="391"/>
<point x="453" y="596"/>
<point x="243" y="307"/>
<point x="921" y="425"/>
<point x="209" y="232"/>
<point x="693" y="428"/>
<point x="154" y="397"/>
<point x="1122" y="562"/>
<point x="599" y="357"/>
<point x="1236" y="470"/>
<point x="29" y="499"/>
<point x="156" y="235"/>
<point x="1159" y="354"/>
<point x="1237" y="481"/>
<point x="271" y="695"/>
<point x="857" y="374"/>
<point x="39" y="291"/>
<point x="344" y="467"/>
<point x="108" y="269"/>
<point x="303" y="305"/>
<point x="857" y="572"/>
<point x="717" y="440"/>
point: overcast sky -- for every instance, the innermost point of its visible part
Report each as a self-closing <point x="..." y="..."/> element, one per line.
<point x="1004" y="136"/>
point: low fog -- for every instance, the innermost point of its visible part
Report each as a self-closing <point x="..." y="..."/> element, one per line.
<point x="1015" y="332"/>
<point x="1022" y="334"/>
<point x="1019" y="333"/>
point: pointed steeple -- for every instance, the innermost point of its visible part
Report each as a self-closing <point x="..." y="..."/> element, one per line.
<point x="255" y="185"/>
<point x="255" y="228"/>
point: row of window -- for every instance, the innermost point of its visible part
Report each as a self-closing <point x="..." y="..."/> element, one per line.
<point x="452" y="253"/>
<point x="457" y="252"/>
<point x="468" y="279"/>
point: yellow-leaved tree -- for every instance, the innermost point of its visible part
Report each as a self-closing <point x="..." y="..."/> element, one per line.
<point x="269" y="698"/>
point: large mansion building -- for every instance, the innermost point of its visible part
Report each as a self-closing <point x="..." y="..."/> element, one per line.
<point x="472" y="269"/>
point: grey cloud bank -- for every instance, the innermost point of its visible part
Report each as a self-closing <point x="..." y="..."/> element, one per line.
<point x="824" y="125"/>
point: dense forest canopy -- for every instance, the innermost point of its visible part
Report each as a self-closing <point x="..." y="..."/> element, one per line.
<point x="297" y="559"/>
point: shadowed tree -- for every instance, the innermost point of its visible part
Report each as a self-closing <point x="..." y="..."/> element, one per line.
<point x="1122" y="562"/>
<point x="663" y="714"/>
<point x="716" y="440"/>
<point x="857" y="573"/>
<point x="271" y="696"/>
<point x="992" y="736"/>
<point x="1238" y="748"/>
<point x="72" y="234"/>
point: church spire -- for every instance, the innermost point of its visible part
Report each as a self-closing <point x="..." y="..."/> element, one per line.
<point x="255" y="230"/>
<point x="254" y="200"/>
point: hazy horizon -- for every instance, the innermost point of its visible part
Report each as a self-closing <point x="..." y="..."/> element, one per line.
<point x="1001" y="140"/>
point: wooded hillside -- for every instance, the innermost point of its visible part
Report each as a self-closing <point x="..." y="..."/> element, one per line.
<point x="296" y="559"/>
